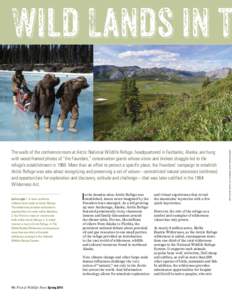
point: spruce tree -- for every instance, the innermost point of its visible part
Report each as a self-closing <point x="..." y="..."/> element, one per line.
<point x="134" y="104"/>
<point x="123" y="98"/>
<point x="134" y="107"/>
<point x="206" y="82"/>
<point x="133" y="90"/>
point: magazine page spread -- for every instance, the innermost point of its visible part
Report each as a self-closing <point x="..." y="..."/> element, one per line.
<point x="115" y="135"/>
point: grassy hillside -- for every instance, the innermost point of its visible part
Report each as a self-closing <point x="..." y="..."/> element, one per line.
<point x="153" y="94"/>
<point x="201" y="115"/>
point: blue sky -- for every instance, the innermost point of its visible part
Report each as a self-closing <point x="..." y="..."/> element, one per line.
<point x="190" y="57"/>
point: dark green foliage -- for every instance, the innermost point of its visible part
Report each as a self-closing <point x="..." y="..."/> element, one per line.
<point x="46" y="54"/>
<point x="129" y="104"/>
<point x="133" y="90"/>
<point x="134" y="107"/>
<point x="123" y="98"/>
<point x="206" y="82"/>
<point x="177" y="112"/>
<point x="207" y="116"/>
<point x="155" y="97"/>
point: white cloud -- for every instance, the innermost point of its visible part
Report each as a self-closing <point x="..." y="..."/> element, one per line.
<point x="148" y="58"/>
<point x="149" y="53"/>
<point x="163" y="58"/>
<point x="102" y="61"/>
<point x="190" y="65"/>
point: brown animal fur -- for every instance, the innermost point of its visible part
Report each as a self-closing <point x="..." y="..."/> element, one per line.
<point x="43" y="99"/>
<point x="68" y="94"/>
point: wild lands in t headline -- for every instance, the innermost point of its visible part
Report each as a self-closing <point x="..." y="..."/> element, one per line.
<point x="135" y="22"/>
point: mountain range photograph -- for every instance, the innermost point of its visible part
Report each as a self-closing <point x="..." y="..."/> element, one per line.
<point x="163" y="93"/>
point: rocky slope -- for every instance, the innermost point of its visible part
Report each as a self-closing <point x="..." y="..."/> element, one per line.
<point x="107" y="72"/>
<point x="219" y="74"/>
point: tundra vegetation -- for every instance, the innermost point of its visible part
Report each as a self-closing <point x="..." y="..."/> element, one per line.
<point x="191" y="110"/>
